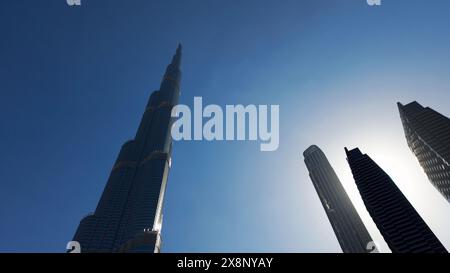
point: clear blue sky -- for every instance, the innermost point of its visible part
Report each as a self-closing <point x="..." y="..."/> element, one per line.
<point x="74" y="82"/>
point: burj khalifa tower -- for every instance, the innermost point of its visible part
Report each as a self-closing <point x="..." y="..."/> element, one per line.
<point x="128" y="217"/>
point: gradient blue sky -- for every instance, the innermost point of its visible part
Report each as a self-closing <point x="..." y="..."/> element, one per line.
<point x="74" y="82"/>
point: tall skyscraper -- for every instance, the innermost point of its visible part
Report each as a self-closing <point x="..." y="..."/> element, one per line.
<point x="401" y="226"/>
<point x="128" y="216"/>
<point x="347" y="225"/>
<point x="428" y="136"/>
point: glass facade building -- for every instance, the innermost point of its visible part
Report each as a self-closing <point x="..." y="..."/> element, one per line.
<point x="428" y="136"/>
<point x="398" y="222"/>
<point x="128" y="217"/>
<point x="348" y="227"/>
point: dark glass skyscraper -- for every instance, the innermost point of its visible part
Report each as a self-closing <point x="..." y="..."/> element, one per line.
<point x="401" y="226"/>
<point x="128" y="216"/>
<point x="347" y="225"/>
<point x="428" y="136"/>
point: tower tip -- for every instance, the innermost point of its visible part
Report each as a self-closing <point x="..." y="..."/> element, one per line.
<point x="176" y="60"/>
<point x="311" y="149"/>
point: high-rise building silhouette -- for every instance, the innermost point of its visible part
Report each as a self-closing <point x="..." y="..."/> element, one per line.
<point x="128" y="216"/>
<point x="401" y="226"/>
<point x="428" y="136"/>
<point x="350" y="231"/>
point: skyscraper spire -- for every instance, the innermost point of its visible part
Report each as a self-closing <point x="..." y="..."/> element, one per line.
<point x="179" y="49"/>
<point x="128" y="217"/>
<point x="174" y="66"/>
<point x="176" y="60"/>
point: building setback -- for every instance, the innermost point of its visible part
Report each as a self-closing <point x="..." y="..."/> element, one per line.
<point x="348" y="227"/>
<point x="128" y="217"/>
<point x="401" y="226"/>
<point x="428" y="136"/>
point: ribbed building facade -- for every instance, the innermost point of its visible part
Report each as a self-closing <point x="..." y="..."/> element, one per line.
<point x="128" y="217"/>
<point x="398" y="222"/>
<point x="348" y="227"/>
<point x="428" y="136"/>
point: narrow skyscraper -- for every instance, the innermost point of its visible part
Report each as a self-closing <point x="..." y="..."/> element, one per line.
<point x="350" y="231"/>
<point x="128" y="217"/>
<point x="428" y="136"/>
<point x="401" y="226"/>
